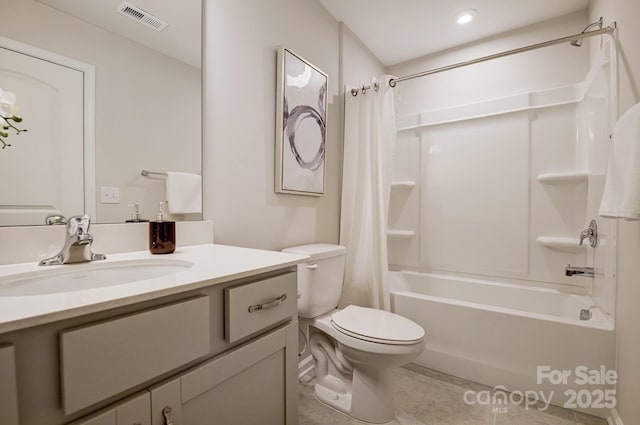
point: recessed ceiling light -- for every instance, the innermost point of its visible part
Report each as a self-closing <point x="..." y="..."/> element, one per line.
<point x="466" y="16"/>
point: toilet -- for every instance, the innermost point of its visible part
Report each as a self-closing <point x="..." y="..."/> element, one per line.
<point x="353" y="348"/>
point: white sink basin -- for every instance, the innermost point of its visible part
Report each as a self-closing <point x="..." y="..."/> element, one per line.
<point x="81" y="277"/>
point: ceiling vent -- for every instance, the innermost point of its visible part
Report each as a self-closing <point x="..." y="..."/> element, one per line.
<point x="141" y="16"/>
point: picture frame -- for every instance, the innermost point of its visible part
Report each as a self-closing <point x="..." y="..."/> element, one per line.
<point x="301" y="122"/>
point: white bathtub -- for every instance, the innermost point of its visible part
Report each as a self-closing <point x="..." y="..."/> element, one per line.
<point x="499" y="334"/>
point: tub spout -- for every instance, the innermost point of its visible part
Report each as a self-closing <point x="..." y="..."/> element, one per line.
<point x="586" y="313"/>
<point x="580" y="271"/>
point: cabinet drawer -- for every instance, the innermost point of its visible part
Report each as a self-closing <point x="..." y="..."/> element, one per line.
<point x="258" y="305"/>
<point x="101" y="360"/>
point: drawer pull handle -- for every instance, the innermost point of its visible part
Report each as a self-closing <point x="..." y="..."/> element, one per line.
<point x="166" y="412"/>
<point x="267" y="306"/>
<point x="312" y="266"/>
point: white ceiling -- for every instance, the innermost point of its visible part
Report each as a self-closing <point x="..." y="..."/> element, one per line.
<point x="400" y="30"/>
<point x="180" y="40"/>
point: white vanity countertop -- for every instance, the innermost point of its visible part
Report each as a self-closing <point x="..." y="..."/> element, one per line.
<point x="212" y="264"/>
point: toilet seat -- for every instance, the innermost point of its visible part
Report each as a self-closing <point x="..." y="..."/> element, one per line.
<point x="377" y="326"/>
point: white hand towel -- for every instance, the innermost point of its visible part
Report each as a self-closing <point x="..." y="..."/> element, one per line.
<point x="621" y="197"/>
<point x="184" y="193"/>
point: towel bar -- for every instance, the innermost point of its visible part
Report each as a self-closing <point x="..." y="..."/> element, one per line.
<point x="147" y="173"/>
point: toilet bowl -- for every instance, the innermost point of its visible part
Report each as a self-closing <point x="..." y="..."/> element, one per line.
<point x="353" y="361"/>
<point x="353" y="348"/>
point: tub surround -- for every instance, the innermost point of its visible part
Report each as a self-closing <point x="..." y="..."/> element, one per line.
<point x="212" y="264"/>
<point x="547" y="131"/>
<point x="555" y="165"/>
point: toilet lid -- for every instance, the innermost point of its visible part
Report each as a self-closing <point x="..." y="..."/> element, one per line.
<point x="376" y="326"/>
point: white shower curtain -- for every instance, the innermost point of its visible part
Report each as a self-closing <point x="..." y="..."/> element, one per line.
<point x="369" y="139"/>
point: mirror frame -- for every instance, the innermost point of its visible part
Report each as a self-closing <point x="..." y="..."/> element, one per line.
<point x="89" y="133"/>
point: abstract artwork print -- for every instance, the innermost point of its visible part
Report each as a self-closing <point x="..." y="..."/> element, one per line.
<point x="301" y="126"/>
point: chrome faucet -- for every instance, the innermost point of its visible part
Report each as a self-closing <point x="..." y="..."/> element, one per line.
<point x="77" y="245"/>
<point x="581" y="271"/>
<point x="590" y="233"/>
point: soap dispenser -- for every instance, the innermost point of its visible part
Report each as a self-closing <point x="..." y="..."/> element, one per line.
<point x="162" y="233"/>
<point x="135" y="214"/>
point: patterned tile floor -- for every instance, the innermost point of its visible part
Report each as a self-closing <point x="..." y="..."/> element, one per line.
<point x="427" y="397"/>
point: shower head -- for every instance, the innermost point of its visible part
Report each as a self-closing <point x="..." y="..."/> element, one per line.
<point x="578" y="41"/>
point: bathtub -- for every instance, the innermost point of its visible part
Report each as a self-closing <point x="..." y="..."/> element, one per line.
<point x="511" y="336"/>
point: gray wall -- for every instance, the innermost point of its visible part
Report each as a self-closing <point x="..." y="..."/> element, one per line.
<point x="239" y="122"/>
<point x="358" y="63"/>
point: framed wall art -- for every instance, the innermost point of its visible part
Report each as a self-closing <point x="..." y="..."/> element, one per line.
<point x="301" y="122"/>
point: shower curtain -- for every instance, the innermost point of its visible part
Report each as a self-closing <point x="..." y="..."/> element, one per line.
<point x="369" y="139"/>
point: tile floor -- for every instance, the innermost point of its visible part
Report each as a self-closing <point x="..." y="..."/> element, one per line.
<point x="427" y="397"/>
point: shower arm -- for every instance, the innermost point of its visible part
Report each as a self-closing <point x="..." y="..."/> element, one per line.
<point x="607" y="30"/>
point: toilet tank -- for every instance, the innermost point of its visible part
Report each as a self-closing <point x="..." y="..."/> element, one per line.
<point x="320" y="278"/>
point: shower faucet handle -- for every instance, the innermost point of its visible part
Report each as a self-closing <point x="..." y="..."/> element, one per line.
<point x="586" y="233"/>
<point x="590" y="233"/>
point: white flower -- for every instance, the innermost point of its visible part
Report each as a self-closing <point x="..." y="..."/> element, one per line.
<point x="7" y="103"/>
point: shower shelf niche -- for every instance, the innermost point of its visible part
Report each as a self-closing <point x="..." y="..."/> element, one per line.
<point x="563" y="178"/>
<point x="400" y="234"/>
<point x="403" y="185"/>
<point x="563" y="244"/>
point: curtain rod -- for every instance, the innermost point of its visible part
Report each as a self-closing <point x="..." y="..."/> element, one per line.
<point x="608" y="30"/>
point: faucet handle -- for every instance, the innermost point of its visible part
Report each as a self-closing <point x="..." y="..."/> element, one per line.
<point x="55" y="219"/>
<point x="585" y="234"/>
<point x="78" y="225"/>
<point x="590" y="233"/>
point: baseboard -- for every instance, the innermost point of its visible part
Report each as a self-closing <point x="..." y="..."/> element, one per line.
<point x="614" y="418"/>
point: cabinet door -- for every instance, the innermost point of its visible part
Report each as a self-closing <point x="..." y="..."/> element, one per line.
<point x="8" y="387"/>
<point x="252" y="384"/>
<point x="133" y="411"/>
<point x="103" y="418"/>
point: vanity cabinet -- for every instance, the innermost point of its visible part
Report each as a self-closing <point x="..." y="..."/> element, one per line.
<point x="251" y="384"/>
<point x="224" y="353"/>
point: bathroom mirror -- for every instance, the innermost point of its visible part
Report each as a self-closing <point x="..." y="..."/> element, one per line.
<point x="145" y="113"/>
